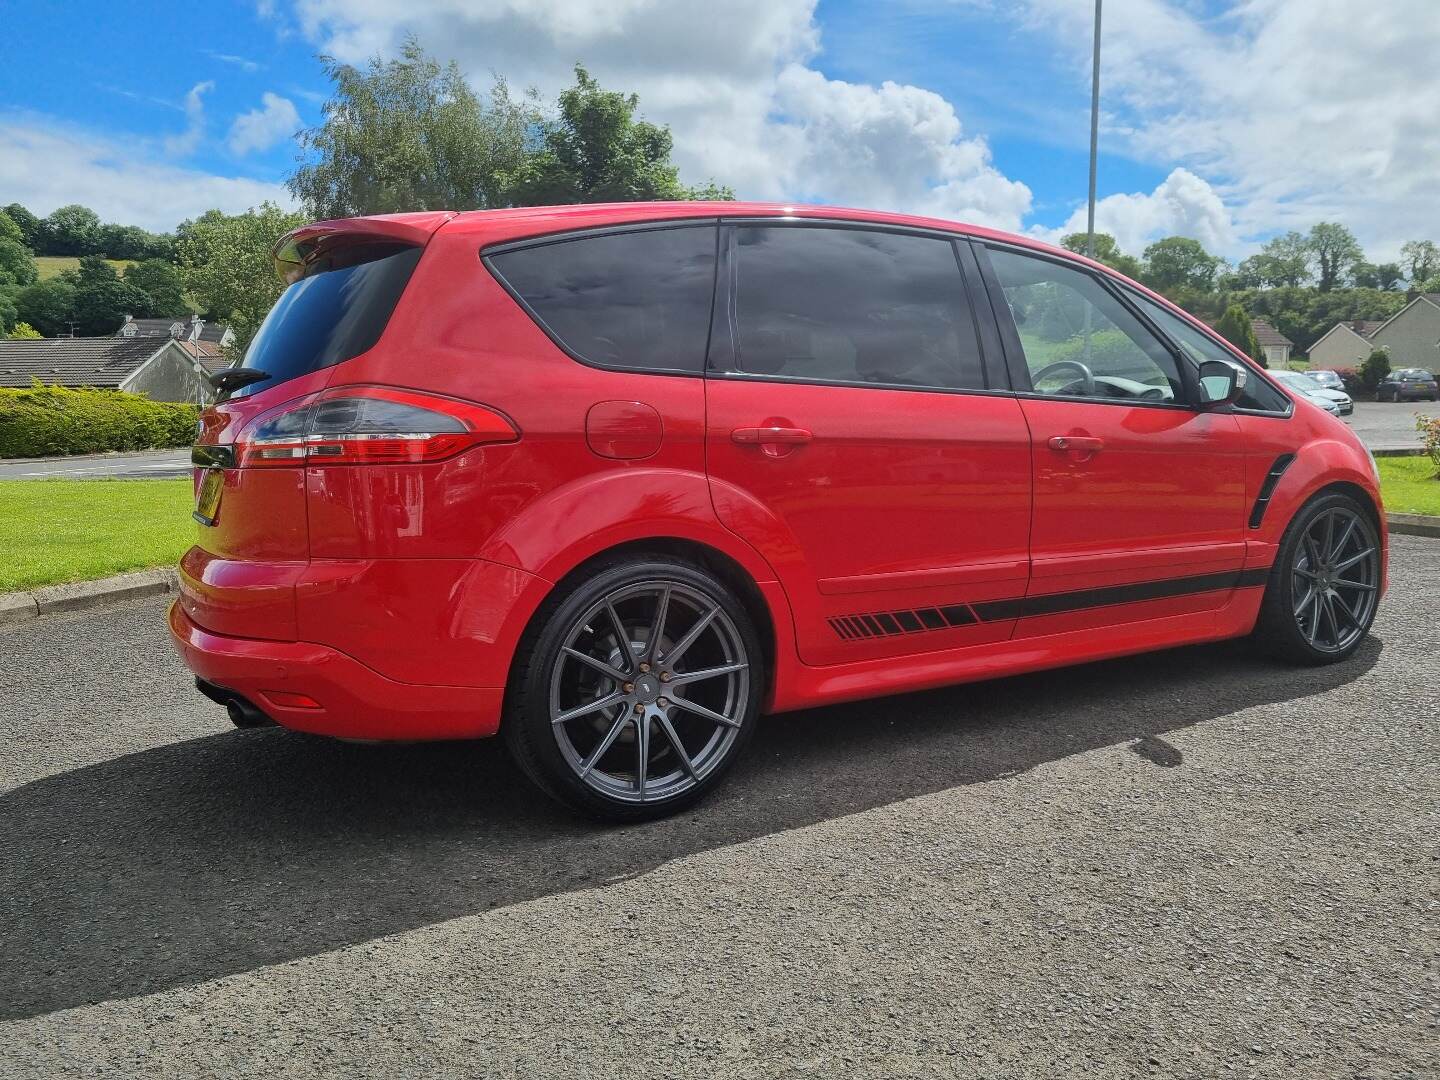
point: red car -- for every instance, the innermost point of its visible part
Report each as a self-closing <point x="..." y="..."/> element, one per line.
<point x="614" y="480"/>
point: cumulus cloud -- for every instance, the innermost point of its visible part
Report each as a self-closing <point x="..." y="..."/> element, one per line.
<point x="1182" y="205"/>
<point x="185" y="143"/>
<point x="259" y="129"/>
<point x="734" y="81"/>
<point x="46" y="165"/>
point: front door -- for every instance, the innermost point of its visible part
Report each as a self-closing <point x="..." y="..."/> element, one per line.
<point x="854" y="439"/>
<point x="1139" y="498"/>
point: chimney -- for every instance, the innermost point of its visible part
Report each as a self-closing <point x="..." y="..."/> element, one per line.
<point x="196" y="325"/>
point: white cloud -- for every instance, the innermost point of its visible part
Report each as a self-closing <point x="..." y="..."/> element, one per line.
<point x="185" y="143"/>
<point x="1182" y="205"/>
<point x="1296" y="112"/>
<point x="46" y="165"/>
<point x="244" y="63"/>
<point x="262" y="128"/>
<point x="731" y="78"/>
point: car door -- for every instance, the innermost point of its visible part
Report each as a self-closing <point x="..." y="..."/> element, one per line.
<point x="858" y="438"/>
<point x="1139" y="497"/>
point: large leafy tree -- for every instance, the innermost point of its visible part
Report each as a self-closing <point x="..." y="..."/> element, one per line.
<point x="408" y="134"/>
<point x="102" y="298"/>
<point x="1421" y="260"/>
<point x="225" y="264"/>
<point x="71" y="230"/>
<point x="1334" y="249"/>
<point x="595" y="150"/>
<point x="47" y="306"/>
<point x="160" y="282"/>
<point x="1368" y="275"/>
<point x="1284" y="262"/>
<point x="1178" y="264"/>
<point x="1107" y="251"/>
<point x="29" y="225"/>
<point x="1234" y="326"/>
<point x="17" y="265"/>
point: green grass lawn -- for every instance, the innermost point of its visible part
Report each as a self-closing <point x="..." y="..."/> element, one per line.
<point x="50" y="265"/>
<point x="1408" y="485"/>
<point x="71" y="530"/>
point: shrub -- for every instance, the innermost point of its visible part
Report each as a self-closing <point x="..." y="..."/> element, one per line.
<point x="1374" y="369"/>
<point x="1429" y="429"/>
<point x="46" y="420"/>
<point x="1351" y="378"/>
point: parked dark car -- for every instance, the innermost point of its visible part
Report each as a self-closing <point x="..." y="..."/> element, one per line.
<point x="1408" y="384"/>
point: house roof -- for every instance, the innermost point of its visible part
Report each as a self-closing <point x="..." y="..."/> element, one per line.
<point x="209" y="331"/>
<point x="103" y="361"/>
<point x="1364" y="327"/>
<point x="1265" y="334"/>
<point x="207" y="353"/>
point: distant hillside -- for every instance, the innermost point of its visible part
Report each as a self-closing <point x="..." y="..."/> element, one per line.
<point x="50" y="265"/>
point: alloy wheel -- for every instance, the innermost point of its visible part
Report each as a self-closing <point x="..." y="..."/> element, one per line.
<point x="649" y="691"/>
<point x="1335" y="580"/>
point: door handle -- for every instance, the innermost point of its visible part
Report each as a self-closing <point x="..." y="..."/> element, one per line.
<point x="1084" y="444"/>
<point x="770" y="435"/>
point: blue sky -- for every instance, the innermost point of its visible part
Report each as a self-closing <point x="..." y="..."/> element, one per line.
<point x="1224" y="121"/>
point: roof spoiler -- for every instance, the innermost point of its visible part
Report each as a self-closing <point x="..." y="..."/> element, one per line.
<point x="293" y="251"/>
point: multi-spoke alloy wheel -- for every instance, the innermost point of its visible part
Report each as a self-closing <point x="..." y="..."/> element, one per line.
<point x="1325" y="584"/>
<point x="1336" y="580"/>
<point x="648" y="681"/>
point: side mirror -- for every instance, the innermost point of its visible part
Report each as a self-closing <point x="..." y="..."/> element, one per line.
<point x="1221" y="383"/>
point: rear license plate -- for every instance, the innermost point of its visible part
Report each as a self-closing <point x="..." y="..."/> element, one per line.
<point x="207" y="499"/>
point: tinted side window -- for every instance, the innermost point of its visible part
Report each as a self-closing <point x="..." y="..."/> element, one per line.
<point x="1078" y="339"/>
<point x="1259" y="395"/>
<point x="623" y="300"/>
<point x="853" y="306"/>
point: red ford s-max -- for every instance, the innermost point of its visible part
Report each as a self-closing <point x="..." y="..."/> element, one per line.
<point x="613" y="480"/>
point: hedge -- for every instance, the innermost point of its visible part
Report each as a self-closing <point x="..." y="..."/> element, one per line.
<point x="45" y="420"/>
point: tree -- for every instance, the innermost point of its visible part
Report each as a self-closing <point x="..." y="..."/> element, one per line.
<point x="1374" y="369"/>
<point x="1421" y="259"/>
<point x="47" y="306"/>
<point x="1178" y="262"/>
<point x="1385" y="276"/>
<point x="102" y="299"/>
<point x="1234" y="326"/>
<point x="10" y="231"/>
<point x="17" y="265"/>
<point x="408" y="134"/>
<point x="71" y="230"/>
<point x="1106" y="251"/>
<point x="594" y="150"/>
<point x="132" y="242"/>
<point x="9" y="313"/>
<point x="1334" y="248"/>
<point x="161" y="284"/>
<point x="23" y="331"/>
<point x="225" y="264"/>
<point x="1284" y="262"/>
<point x="30" y="226"/>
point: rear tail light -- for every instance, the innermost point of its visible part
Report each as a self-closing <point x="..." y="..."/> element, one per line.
<point x="361" y="425"/>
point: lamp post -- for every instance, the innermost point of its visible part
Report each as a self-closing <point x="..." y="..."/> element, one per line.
<point x="1094" y="134"/>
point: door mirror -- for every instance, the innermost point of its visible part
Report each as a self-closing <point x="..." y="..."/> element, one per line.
<point x="1221" y="383"/>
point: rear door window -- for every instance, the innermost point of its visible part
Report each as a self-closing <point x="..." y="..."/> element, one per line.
<point x="853" y="306"/>
<point x="637" y="300"/>
<point x="334" y="313"/>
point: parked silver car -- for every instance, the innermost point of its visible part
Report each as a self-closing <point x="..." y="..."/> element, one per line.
<point x="1333" y="401"/>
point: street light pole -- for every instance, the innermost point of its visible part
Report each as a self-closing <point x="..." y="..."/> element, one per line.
<point x="1094" y="133"/>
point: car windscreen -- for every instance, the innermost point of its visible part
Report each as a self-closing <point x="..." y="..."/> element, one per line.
<point x="334" y="313"/>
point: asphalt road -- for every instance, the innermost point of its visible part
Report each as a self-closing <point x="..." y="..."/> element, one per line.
<point x="146" y="463"/>
<point x="1192" y="864"/>
<point x="1388" y="425"/>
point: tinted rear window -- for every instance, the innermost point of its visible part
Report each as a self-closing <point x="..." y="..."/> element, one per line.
<point x="624" y="300"/>
<point x="336" y="312"/>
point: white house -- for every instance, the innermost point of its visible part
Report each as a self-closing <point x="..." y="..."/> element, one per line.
<point x="166" y="369"/>
<point x="1274" y="345"/>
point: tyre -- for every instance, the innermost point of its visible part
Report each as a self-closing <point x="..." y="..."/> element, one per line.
<point x="1325" y="584"/>
<point x="635" y="691"/>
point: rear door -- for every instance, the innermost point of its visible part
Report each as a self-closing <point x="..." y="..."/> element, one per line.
<point x="1139" y="498"/>
<point x="857" y="437"/>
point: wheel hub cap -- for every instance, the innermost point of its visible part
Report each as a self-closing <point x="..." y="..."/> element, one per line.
<point x="647" y="689"/>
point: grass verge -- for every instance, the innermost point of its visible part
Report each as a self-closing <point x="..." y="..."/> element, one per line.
<point x="53" y="531"/>
<point x="1408" y="485"/>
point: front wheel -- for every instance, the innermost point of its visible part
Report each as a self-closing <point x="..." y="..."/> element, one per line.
<point x="1325" y="584"/>
<point x="636" y="690"/>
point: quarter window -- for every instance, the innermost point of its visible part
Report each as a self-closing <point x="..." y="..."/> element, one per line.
<point x="623" y="300"/>
<point x="1078" y="339"/>
<point x="853" y="306"/>
<point x="1259" y="395"/>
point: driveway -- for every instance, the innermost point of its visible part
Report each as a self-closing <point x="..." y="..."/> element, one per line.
<point x="145" y="463"/>
<point x="1387" y="425"/>
<point x="1194" y="863"/>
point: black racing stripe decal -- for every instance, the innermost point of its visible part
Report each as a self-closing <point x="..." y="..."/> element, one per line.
<point x="895" y="623"/>
<point x="1262" y="501"/>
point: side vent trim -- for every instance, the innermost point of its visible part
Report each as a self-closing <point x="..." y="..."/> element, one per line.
<point x="1267" y="489"/>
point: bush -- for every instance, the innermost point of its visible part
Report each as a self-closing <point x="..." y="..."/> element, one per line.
<point x="1429" y="429"/>
<point x="1374" y="369"/>
<point x="46" y="420"/>
<point x="1351" y="378"/>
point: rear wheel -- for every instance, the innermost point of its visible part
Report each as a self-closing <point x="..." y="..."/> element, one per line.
<point x="1325" y="584"/>
<point x="637" y="691"/>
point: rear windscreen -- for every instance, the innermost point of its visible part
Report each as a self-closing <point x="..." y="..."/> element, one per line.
<point x="335" y="312"/>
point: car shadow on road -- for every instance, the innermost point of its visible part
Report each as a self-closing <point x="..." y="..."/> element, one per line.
<point x="221" y="854"/>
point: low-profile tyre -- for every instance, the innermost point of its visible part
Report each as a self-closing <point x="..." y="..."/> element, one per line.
<point x="1325" y="584"/>
<point x="636" y="690"/>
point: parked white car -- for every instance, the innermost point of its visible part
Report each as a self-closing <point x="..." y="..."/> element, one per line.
<point x="1333" y="401"/>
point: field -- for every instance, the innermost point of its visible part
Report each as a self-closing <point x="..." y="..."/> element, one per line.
<point x="73" y="530"/>
<point x="51" y="265"/>
<point x="1408" y="485"/>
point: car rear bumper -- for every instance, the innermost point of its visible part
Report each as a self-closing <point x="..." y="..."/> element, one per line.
<point x="351" y="700"/>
